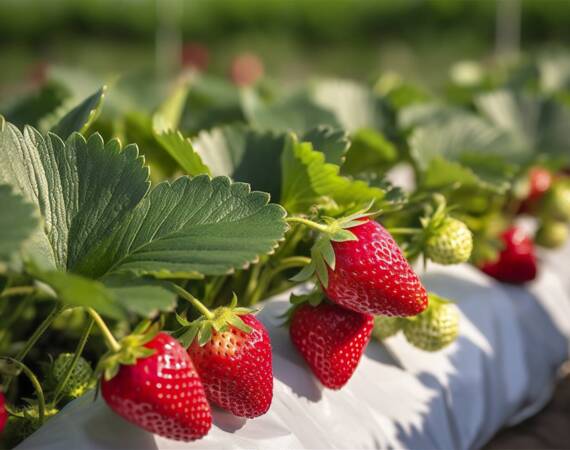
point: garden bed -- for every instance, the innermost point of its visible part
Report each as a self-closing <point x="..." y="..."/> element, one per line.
<point x="500" y="370"/>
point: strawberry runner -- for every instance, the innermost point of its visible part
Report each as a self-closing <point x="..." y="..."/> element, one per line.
<point x="511" y="342"/>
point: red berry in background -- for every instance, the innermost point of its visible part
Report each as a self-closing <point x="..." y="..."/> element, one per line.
<point x="161" y="393"/>
<point x="195" y="55"/>
<point x="517" y="261"/>
<point x="236" y="368"/>
<point x="372" y="275"/>
<point x="540" y="181"/>
<point x="38" y="73"/>
<point x="246" y="69"/>
<point x="3" y="412"/>
<point x="331" y="339"/>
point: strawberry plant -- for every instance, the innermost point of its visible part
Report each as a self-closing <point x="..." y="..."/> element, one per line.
<point x="127" y="204"/>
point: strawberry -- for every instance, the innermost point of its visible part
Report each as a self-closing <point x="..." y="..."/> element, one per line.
<point x="26" y="423"/>
<point x="331" y="339"/>
<point x="450" y="243"/>
<point x="552" y="234"/>
<point x="516" y="263"/>
<point x="372" y="276"/>
<point x="385" y="327"/>
<point x="246" y="69"/>
<point x="539" y="182"/>
<point x="557" y="202"/>
<point x="435" y="328"/>
<point x="236" y="368"/>
<point x="3" y="412"/>
<point x="160" y="391"/>
<point x="80" y="377"/>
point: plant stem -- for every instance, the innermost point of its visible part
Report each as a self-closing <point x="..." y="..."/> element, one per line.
<point x="308" y="223"/>
<point x="107" y="335"/>
<point x="40" y="330"/>
<point x="194" y="301"/>
<point x="77" y="354"/>
<point x="270" y="273"/>
<point x="404" y="230"/>
<point x="36" y="385"/>
<point x="18" y="290"/>
<point x="213" y="289"/>
<point x="253" y="282"/>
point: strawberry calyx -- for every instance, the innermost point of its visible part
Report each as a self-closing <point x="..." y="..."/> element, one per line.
<point x="322" y="252"/>
<point x="313" y="298"/>
<point x="131" y="349"/>
<point x="219" y="320"/>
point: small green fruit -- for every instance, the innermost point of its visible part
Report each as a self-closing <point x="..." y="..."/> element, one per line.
<point x="435" y="328"/>
<point x="385" y="327"/>
<point x="557" y="204"/>
<point x="450" y="243"/>
<point x="79" y="379"/>
<point x="552" y="234"/>
<point x="19" y="428"/>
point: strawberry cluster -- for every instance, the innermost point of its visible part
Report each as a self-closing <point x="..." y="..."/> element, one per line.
<point x="168" y="389"/>
<point x="361" y="273"/>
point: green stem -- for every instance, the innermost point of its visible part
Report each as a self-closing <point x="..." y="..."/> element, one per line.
<point x="20" y="308"/>
<point x="36" y="385"/>
<point x="213" y="289"/>
<point x="107" y="335"/>
<point x="404" y="230"/>
<point x="77" y="354"/>
<point x="253" y="282"/>
<point x="270" y="273"/>
<point x="36" y="335"/>
<point x="18" y="290"/>
<point x="309" y="223"/>
<point x="194" y="301"/>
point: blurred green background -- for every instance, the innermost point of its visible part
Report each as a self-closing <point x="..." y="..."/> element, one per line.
<point x="294" y="38"/>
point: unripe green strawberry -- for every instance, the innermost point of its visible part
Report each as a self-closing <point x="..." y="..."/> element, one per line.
<point x="385" y="327"/>
<point x="557" y="204"/>
<point x="552" y="234"/>
<point x="80" y="377"/>
<point x="450" y="243"/>
<point x="435" y="328"/>
<point x="19" y="428"/>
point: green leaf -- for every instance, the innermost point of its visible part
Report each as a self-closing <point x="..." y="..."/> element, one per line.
<point x="538" y="124"/>
<point x="32" y="108"/>
<point x="142" y="296"/>
<point x="477" y="151"/>
<point x="83" y="189"/>
<point x="243" y="154"/>
<point x="172" y="108"/>
<point x="210" y="226"/>
<point x="297" y="112"/>
<point x="82" y="116"/>
<point x="370" y="151"/>
<point x="352" y="104"/>
<point x="309" y="180"/>
<point x="75" y="290"/>
<point x="441" y="173"/>
<point x="18" y="221"/>
<point x="332" y="142"/>
<point x="179" y="148"/>
<point x="428" y="114"/>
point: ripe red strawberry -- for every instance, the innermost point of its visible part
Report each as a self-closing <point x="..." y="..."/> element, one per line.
<point x="540" y="181"/>
<point x="372" y="276"/>
<point x="517" y="261"/>
<point x="331" y="339"/>
<point x="3" y="412"/>
<point x="236" y="368"/>
<point x="161" y="393"/>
